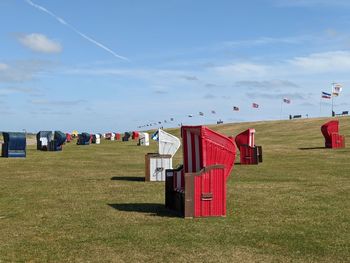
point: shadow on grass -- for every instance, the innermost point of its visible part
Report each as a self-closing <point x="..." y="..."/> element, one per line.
<point x="312" y="148"/>
<point x="128" y="178"/>
<point x="149" y="208"/>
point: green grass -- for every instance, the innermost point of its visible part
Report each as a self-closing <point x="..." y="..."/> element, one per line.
<point x="89" y="204"/>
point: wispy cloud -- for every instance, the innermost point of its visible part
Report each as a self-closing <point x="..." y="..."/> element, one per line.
<point x="266" y="84"/>
<point x="261" y="41"/>
<point x="23" y="70"/>
<point x="160" y="90"/>
<point x="277" y="95"/>
<point x="334" y="61"/>
<point x="23" y="90"/>
<point x="190" y="78"/>
<point x="63" y="103"/>
<point x="39" y="43"/>
<point x="209" y="96"/>
<point x="3" y="66"/>
<point x="242" y="69"/>
<point x="63" y="22"/>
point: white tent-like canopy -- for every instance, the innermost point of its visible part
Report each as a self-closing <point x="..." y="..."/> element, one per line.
<point x="168" y="143"/>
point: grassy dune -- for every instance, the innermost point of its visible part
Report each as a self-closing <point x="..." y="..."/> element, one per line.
<point x="90" y="204"/>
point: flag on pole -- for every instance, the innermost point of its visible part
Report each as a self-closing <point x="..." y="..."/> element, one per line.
<point x="235" y="108"/>
<point x="337" y="88"/>
<point x="155" y="136"/>
<point x="286" y="100"/>
<point x="255" y="105"/>
<point x="326" y="95"/>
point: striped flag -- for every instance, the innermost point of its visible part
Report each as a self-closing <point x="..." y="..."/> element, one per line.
<point x="255" y="105"/>
<point x="286" y="100"/>
<point x="235" y="108"/>
<point x="326" y="95"/>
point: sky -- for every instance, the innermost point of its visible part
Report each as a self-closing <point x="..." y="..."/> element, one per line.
<point x="110" y="65"/>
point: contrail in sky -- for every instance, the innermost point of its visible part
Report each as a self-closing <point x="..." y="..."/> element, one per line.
<point x="63" y="22"/>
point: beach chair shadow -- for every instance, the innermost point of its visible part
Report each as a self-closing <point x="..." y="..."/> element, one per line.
<point x="152" y="209"/>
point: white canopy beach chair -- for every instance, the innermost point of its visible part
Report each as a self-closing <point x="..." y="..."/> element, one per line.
<point x="157" y="163"/>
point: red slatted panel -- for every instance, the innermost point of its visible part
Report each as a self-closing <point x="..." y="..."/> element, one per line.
<point x="200" y="144"/>
<point x="211" y="183"/>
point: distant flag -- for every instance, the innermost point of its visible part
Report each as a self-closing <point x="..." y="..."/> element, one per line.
<point x="286" y="100"/>
<point x="326" y="95"/>
<point x="337" y="88"/>
<point x="155" y="136"/>
<point x="235" y="108"/>
<point x="201" y="113"/>
<point x="255" y="105"/>
<point x="213" y="112"/>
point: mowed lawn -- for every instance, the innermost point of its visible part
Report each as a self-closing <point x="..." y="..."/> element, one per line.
<point x="90" y="204"/>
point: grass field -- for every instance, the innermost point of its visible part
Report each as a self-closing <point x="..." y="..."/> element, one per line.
<point x="90" y="204"/>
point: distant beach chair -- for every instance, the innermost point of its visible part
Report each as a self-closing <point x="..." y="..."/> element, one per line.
<point x="333" y="139"/>
<point x="14" y="144"/>
<point x="249" y="152"/>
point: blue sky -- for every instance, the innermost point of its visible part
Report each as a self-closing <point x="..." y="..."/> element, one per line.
<point x="115" y="65"/>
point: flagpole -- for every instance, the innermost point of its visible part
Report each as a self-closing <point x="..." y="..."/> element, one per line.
<point x="332" y="98"/>
<point x="281" y="110"/>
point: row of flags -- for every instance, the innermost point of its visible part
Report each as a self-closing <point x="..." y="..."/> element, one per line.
<point x="336" y="90"/>
<point x="256" y="105"/>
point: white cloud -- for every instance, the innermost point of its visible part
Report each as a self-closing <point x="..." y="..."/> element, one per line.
<point x="242" y="69"/>
<point x="40" y="43"/>
<point x="335" y="61"/>
<point x="3" y="66"/>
